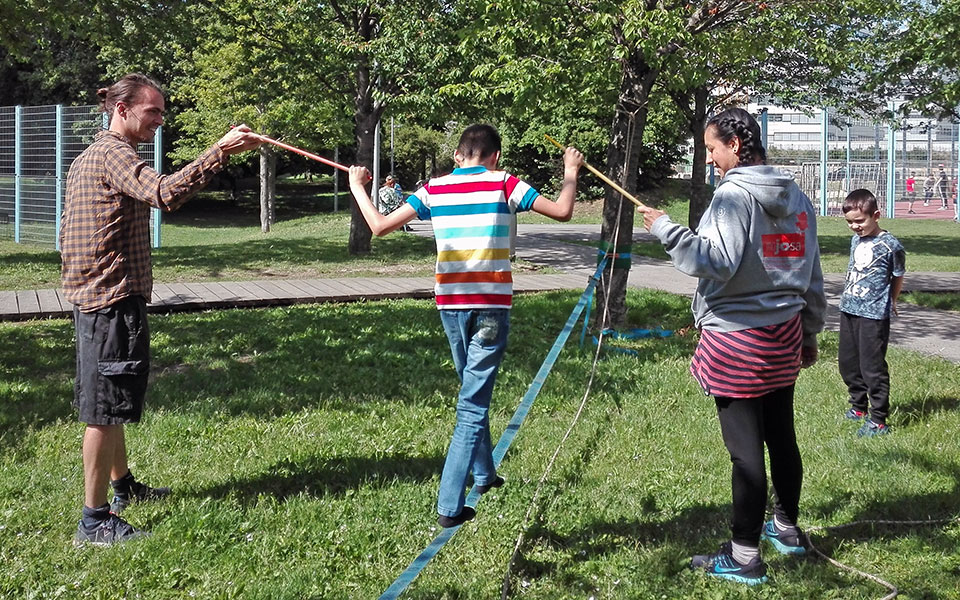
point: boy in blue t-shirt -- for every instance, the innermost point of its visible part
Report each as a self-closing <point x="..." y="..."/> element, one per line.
<point x="870" y="292"/>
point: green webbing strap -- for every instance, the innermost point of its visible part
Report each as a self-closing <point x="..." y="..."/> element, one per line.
<point x="621" y="257"/>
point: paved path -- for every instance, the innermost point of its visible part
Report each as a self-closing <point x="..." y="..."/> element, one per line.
<point x="563" y="247"/>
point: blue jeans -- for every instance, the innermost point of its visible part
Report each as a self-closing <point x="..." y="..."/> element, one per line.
<point x="477" y="338"/>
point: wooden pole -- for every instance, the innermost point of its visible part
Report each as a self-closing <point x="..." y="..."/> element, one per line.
<point x="603" y="177"/>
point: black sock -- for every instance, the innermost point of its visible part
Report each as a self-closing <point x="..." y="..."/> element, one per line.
<point x="92" y="517"/>
<point x="123" y="484"/>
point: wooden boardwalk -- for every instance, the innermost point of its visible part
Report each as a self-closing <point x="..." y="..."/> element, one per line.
<point x="170" y="297"/>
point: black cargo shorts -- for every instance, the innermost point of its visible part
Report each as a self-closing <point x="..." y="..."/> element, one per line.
<point x="113" y="362"/>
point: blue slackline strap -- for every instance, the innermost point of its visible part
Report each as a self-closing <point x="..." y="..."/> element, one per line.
<point x="506" y="438"/>
<point x="586" y="319"/>
<point x="634" y="334"/>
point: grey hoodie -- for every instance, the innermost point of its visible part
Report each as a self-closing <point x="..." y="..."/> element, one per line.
<point x="756" y="254"/>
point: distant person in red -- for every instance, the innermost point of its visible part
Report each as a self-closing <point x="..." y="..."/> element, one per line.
<point x="911" y="198"/>
<point x="108" y="277"/>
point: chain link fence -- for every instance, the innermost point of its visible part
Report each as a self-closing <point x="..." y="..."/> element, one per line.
<point x="37" y="146"/>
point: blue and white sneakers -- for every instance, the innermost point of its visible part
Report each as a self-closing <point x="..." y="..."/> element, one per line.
<point x="722" y="564"/>
<point x="855" y="415"/>
<point x="788" y="541"/>
<point x="870" y="428"/>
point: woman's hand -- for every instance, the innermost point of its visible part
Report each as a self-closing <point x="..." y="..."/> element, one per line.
<point x="649" y="215"/>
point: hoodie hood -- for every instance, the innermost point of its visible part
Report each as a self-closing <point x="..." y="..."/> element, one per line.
<point x="769" y="186"/>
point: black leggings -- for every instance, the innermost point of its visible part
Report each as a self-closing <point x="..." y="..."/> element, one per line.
<point x="746" y="424"/>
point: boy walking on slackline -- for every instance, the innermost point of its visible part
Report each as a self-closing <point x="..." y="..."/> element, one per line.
<point x="874" y="279"/>
<point x="471" y="210"/>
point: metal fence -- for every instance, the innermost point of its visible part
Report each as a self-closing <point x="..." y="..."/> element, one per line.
<point x="37" y="146"/>
<point x="910" y="165"/>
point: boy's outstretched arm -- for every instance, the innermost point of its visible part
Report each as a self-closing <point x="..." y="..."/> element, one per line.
<point x="562" y="209"/>
<point x="379" y="224"/>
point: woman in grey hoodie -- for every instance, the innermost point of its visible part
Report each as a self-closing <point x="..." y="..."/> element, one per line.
<point x="759" y="305"/>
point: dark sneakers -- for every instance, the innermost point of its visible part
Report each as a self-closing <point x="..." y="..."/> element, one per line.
<point x="790" y="541"/>
<point x="483" y="489"/>
<point x="135" y="492"/>
<point x="467" y="514"/>
<point x="722" y="564"/>
<point x="855" y="415"/>
<point x="110" y="531"/>
<point x="870" y="428"/>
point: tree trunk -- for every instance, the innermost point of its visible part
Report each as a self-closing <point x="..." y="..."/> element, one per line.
<point x="359" y="231"/>
<point x="367" y="112"/>
<point x="268" y="187"/>
<point x="699" y="190"/>
<point x="629" y="121"/>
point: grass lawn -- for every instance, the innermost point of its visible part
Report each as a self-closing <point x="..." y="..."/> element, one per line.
<point x="304" y="445"/>
<point x="941" y="300"/>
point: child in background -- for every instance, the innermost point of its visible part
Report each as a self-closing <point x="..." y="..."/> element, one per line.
<point x="471" y="210"/>
<point x="873" y="283"/>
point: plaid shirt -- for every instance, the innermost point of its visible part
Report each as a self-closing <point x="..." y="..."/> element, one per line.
<point x="105" y="233"/>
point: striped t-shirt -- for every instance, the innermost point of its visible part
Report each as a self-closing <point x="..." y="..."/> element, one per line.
<point x="748" y="363"/>
<point x="471" y="210"/>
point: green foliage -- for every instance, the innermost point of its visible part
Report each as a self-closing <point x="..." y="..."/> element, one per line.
<point x="419" y="150"/>
<point x="920" y="60"/>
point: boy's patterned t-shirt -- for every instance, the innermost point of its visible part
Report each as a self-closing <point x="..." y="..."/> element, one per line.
<point x="471" y="210"/>
<point x="874" y="262"/>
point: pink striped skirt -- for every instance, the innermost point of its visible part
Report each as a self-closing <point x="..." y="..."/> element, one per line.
<point x="750" y="362"/>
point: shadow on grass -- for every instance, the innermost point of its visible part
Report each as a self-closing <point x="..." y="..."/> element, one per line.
<point x="20" y="259"/>
<point x="36" y="377"/>
<point x="267" y="362"/>
<point x="916" y="410"/>
<point x="595" y="539"/>
<point x="924" y="516"/>
<point x="324" y="477"/>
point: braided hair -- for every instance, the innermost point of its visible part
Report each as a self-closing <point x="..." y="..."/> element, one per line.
<point x="736" y="122"/>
